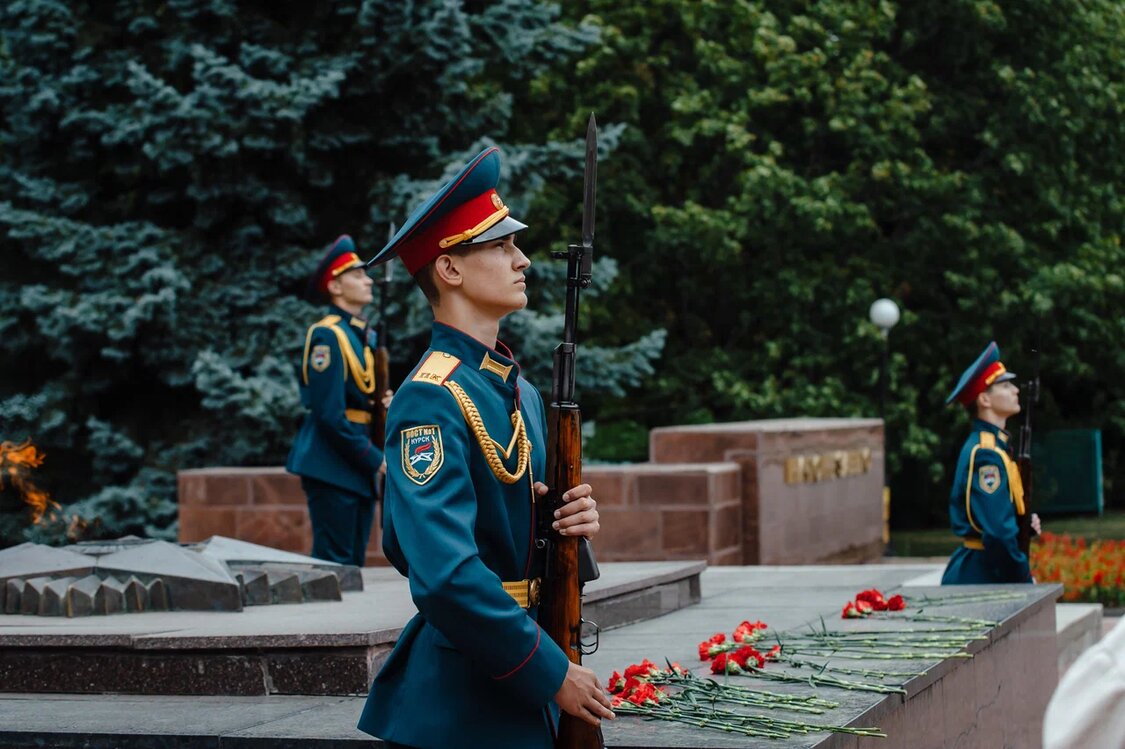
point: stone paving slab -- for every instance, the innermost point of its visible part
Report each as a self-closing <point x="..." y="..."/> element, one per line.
<point x="97" y="721"/>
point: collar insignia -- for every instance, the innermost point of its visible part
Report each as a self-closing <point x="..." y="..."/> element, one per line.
<point x="488" y="364"/>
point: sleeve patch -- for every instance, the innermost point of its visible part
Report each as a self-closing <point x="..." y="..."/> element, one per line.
<point x="422" y="453"/>
<point x="989" y="477"/>
<point x="320" y="357"/>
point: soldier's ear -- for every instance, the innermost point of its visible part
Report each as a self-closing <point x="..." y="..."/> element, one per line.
<point x="446" y="270"/>
<point x="984" y="400"/>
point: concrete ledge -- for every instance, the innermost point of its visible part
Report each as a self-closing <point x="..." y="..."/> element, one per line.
<point x="313" y="649"/>
<point x="1079" y="626"/>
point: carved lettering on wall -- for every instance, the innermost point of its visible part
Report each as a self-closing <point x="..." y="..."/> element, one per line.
<point x="837" y="464"/>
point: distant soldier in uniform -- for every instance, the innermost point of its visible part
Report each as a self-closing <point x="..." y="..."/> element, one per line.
<point x="466" y="437"/>
<point x="987" y="491"/>
<point x="333" y="453"/>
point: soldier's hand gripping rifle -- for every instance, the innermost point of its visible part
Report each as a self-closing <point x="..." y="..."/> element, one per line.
<point x="569" y="560"/>
<point x="1030" y="392"/>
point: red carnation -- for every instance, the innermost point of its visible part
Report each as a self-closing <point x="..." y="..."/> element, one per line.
<point x="896" y="603"/>
<point x="706" y="646"/>
<point x="850" y="611"/>
<point x="864" y="608"/>
<point x="873" y="597"/>
<point x="775" y="651"/>
<point x="743" y="655"/>
<point x="642" y="669"/>
<point x="719" y="664"/>
<point x="616" y="683"/>
<point x="646" y="694"/>
<point x="747" y="631"/>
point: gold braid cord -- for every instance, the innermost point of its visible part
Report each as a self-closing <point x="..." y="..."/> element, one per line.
<point x="489" y="446"/>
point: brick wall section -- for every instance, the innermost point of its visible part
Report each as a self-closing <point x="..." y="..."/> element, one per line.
<point x="836" y="520"/>
<point x="714" y="492"/>
<point x="672" y="511"/>
<point x="260" y="505"/>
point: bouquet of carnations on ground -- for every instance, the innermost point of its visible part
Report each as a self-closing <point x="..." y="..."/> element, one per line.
<point x="737" y="657"/>
<point x="674" y="694"/>
<point x="872" y="601"/>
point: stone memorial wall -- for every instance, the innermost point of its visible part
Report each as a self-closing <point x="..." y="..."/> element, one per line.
<point x="780" y="491"/>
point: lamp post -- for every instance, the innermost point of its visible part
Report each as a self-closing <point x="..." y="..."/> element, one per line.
<point x="884" y="315"/>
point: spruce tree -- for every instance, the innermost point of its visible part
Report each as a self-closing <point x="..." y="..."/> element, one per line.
<point x="171" y="172"/>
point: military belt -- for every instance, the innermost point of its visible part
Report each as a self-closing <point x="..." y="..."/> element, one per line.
<point x="973" y="543"/>
<point x="357" y="415"/>
<point x="524" y="592"/>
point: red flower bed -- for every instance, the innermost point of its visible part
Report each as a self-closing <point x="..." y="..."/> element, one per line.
<point x="1089" y="570"/>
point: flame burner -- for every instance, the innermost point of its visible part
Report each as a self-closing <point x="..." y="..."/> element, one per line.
<point x="132" y="575"/>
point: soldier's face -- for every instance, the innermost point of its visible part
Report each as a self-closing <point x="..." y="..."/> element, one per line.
<point x="1004" y="399"/>
<point x="354" y="287"/>
<point x="493" y="276"/>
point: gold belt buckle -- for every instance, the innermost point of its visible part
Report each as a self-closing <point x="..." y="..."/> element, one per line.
<point x="526" y="593"/>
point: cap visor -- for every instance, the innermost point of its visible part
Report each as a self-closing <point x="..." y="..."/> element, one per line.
<point x="503" y="228"/>
<point x="1005" y="377"/>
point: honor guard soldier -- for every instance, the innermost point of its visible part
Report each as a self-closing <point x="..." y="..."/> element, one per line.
<point x="333" y="453"/>
<point x="466" y="437"/>
<point x="987" y="490"/>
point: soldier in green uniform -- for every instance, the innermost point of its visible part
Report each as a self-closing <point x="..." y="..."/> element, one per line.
<point x="333" y="453"/>
<point x="466" y="437"/>
<point x="987" y="491"/>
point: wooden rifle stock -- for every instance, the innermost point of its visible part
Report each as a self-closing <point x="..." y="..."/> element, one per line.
<point x="560" y="614"/>
<point x="382" y="358"/>
<point x="382" y="384"/>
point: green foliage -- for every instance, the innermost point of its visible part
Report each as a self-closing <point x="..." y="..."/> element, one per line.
<point x="784" y="164"/>
<point x="170" y="172"/>
<point x="769" y="169"/>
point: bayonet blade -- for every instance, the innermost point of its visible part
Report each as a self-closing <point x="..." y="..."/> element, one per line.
<point x="590" y="185"/>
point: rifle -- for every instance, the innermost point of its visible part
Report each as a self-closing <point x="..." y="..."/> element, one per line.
<point x="569" y="560"/>
<point x="1030" y="391"/>
<point x="382" y="358"/>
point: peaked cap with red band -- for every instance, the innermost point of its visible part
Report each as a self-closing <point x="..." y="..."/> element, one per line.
<point x="341" y="257"/>
<point x="466" y="210"/>
<point x="986" y="371"/>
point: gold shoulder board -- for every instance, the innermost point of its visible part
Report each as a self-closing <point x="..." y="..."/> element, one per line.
<point x="436" y="368"/>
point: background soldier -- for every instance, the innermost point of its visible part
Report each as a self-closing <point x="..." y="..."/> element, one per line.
<point x="987" y="491"/>
<point x="333" y="453"/>
<point x="473" y="668"/>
